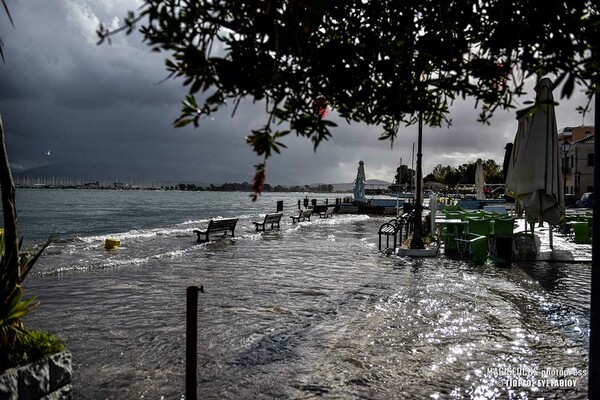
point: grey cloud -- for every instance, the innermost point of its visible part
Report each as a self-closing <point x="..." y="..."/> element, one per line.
<point x="104" y="105"/>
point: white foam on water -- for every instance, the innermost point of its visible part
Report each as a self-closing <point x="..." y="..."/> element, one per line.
<point x="136" y="234"/>
<point x="340" y="219"/>
<point x="172" y="254"/>
<point x="118" y="262"/>
<point x="251" y="236"/>
<point x="194" y="222"/>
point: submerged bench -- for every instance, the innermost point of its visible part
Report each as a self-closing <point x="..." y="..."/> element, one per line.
<point x="269" y="219"/>
<point x="302" y="216"/>
<point x="327" y="213"/>
<point x="217" y="225"/>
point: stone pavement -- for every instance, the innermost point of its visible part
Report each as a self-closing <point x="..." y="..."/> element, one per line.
<point x="564" y="247"/>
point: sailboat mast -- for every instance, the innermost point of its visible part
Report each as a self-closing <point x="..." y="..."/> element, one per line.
<point x="412" y="167"/>
<point x="399" y="171"/>
<point x="399" y="181"/>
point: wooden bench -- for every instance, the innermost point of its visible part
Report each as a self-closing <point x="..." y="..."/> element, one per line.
<point x="269" y="219"/>
<point x="302" y="216"/>
<point x="327" y="213"/>
<point x="217" y="225"/>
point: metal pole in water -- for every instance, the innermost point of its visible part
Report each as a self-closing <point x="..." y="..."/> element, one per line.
<point x="417" y="240"/>
<point x="191" y="342"/>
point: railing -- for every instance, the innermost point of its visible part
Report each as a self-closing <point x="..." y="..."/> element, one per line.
<point x="393" y="229"/>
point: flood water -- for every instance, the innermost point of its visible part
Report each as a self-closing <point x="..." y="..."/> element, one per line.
<point x="309" y="310"/>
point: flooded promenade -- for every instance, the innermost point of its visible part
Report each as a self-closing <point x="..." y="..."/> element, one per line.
<point x="310" y="310"/>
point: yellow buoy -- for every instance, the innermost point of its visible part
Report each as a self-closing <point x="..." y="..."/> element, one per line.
<point x="112" y="243"/>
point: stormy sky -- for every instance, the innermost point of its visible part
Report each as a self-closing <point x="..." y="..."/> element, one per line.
<point x="109" y="108"/>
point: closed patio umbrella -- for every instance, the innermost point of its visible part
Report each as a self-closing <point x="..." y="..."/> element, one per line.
<point x="534" y="172"/>
<point x="513" y="183"/>
<point x="507" y="153"/>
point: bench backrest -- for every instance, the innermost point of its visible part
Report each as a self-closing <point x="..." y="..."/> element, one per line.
<point x="305" y="213"/>
<point x="273" y="217"/>
<point x="222" y="224"/>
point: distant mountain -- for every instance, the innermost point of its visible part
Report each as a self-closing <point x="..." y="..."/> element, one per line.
<point x="82" y="172"/>
<point x="98" y="171"/>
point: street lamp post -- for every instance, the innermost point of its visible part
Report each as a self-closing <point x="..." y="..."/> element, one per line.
<point x="565" y="147"/>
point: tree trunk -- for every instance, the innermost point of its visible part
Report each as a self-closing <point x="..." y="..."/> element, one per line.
<point x="9" y="210"/>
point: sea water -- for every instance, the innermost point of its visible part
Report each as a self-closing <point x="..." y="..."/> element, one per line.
<point x="312" y="309"/>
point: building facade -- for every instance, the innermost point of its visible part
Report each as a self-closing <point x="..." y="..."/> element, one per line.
<point x="577" y="149"/>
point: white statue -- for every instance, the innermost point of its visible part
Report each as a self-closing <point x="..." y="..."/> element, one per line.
<point x="359" y="184"/>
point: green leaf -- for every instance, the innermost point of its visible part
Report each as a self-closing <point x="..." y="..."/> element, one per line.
<point x="7" y="12"/>
<point x="568" y="87"/>
<point x="196" y="86"/>
<point x="181" y="122"/>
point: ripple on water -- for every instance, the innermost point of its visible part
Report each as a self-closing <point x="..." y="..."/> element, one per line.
<point x="310" y="310"/>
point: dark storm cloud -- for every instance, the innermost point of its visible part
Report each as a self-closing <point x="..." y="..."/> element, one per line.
<point x="105" y="105"/>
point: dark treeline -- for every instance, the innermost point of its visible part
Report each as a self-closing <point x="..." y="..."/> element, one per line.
<point x="452" y="176"/>
<point x="465" y="173"/>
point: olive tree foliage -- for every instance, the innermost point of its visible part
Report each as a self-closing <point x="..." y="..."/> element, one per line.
<point x="6" y="10"/>
<point x="379" y="62"/>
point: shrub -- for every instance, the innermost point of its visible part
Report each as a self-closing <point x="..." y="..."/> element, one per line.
<point x="30" y="347"/>
<point x="13" y="307"/>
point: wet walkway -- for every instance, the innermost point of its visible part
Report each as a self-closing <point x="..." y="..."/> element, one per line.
<point x="563" y="248"/>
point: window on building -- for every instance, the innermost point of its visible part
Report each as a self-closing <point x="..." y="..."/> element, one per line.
<point x="590" y="160"/>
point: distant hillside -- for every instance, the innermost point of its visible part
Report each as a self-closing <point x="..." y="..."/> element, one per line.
<point x="84" y="171"/>
<point x="80" y="172"/>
